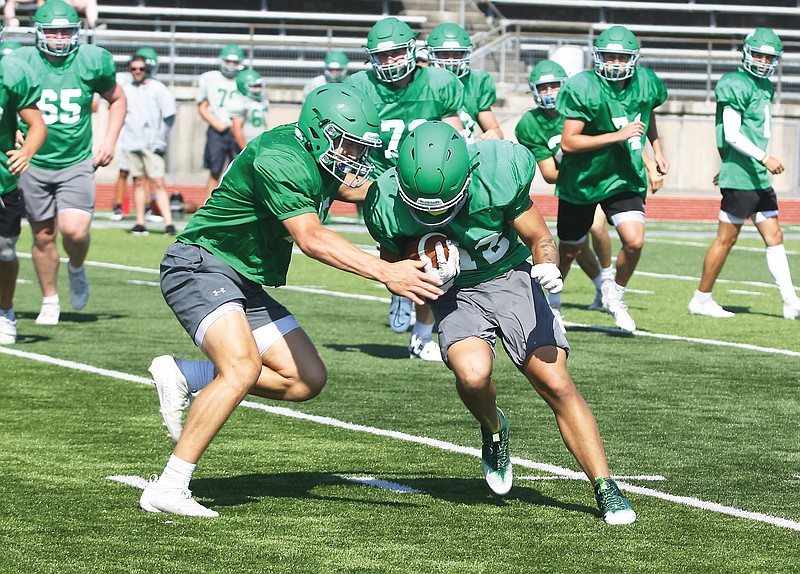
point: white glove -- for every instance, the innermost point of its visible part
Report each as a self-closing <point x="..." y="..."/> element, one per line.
<point x="449" y="267"/>
<point x="548" y="275"/>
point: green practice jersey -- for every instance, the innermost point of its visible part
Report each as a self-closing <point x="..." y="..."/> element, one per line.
<point x="19" y="90"/>
<point x="752" y="97"/>
<point x="541" y="133"/>
<point x="432" y="94"/>
<point x="66" y="101"/>
<point x="592" y="176"/>
<point x="487" y="241"/>
<point x="272" y="179"/>
<point x="480" y="94"/>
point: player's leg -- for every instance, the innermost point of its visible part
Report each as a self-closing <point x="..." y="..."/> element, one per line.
<point x="154" y="168"/>
<point x="10" y="228"/>
<point x="421" y="344"/>
<point x="601" y="245"/>
<point x="120" y="188"/>
<point x="573" y="224"/>
<point x="778" y="264"/>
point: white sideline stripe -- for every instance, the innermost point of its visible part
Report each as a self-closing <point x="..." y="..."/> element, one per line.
<point x="443" y="445"/>
<point x="134" y="481"/>
<point x="383" y="484"/>
<point x="639" y="291"/>
<point x="145" y="283"/>
<point x="614" y="476"/>
<point x="698" y="244"/>
<point x="743" y="292"/>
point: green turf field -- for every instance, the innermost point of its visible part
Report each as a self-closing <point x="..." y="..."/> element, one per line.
<point x="381" y="473"/>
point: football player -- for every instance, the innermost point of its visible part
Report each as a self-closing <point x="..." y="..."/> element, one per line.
<point x="449" y="47"/>
<point x="59" y="187"/>
<point x="744" y="104"/>
<point x="334" y="73"/>
<point x="607" y="113"/>
<point x="249" y="107"/>
<point x="477" y="196"/>
<point x="281" y="185"/>
<point x="20" y="90"/>
<point x="216" y="89"/>
<point x="406" y="96"/>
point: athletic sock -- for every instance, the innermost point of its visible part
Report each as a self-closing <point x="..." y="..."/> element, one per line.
<point x="177" y="473"/>
<point x="702" y="297"/>
<point x="50" y="300"/>
<point x="598" y="281"/>
<point x="199" y="374"/>
<point x="778" y="266"/>
<point x="8" y="313"/>
<point x="423" y="331"/>
<point x="74" y="270"/>
<point x="607" y="273"/>
<point x="554" y="300"/>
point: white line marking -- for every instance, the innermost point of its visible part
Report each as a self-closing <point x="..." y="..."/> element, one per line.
<point x="383" y="484"/>
<point x="742" y="292"/>
<point x="656" y="477"/>
<point x="443" y="445"/>
<point x="145" y="283"/>
<point x="699" y="244"/>
<point x="639" y="291"/>
<point x="134" y="481"/>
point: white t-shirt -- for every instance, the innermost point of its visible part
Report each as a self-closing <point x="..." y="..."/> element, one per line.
<point x="218" y="90"/>
<point x="148" y="104"/>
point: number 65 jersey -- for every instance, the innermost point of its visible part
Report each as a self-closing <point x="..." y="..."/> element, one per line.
<point x="484" y="227"/>
<point x="66" y="103"/>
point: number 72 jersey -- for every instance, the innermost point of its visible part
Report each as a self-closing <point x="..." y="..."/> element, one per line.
<point x="66" y="102"/>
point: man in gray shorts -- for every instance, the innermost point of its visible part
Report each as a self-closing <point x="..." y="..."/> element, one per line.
<point x="477" y="196"/>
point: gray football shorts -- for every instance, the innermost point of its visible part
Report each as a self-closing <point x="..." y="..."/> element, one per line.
<point x="195" y="283"/>
<point x="511" y="306"/>
<point x="48" y="191"/>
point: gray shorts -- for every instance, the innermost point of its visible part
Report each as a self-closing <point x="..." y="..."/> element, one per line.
<point x="512" y="306"/>
<point x="195" y="283"/>
<point x="48" y="191"/>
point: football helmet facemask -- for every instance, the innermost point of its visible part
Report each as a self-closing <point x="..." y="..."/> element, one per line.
<point x="450" y="48"/>
<point x="544" y="73"/>
<point x="232" y="60"/>
<point x="616" y="40"/>
<point x="433" y="173"/>
<point x="52" y="16"/>
<point x="339" y="126"/>
<point x="336" y="67"/>
<point x="759" y="42"/>
<point x="388" y="35"/>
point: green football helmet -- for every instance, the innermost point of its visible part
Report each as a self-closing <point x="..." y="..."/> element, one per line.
<point x="251" y="84"/>
<point x="339" y="126"/>
<point x="232" y="60"/>
<point x="614" y="41"/>
<point x="336" y="67"/>
<point x="8" y="46"/>
<point x="57" y="15"/>
<point x="543" y="73"/>
<point x="388" y="35"/>
<point x="759" y="42"/>
<point x="450" y="47"/>
<point x="150" y="58"/>
<point x="433" y="173"/>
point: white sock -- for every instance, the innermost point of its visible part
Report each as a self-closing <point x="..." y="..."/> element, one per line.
<point x="598" y="281"/>
<point x="74" y="270"/>
<point x="423" y="331"/>
<point x="607" y="273"/>
<point x="199" y="374"/>
<point x="177" y="473"/>
<point x="50" y="300"/>
<point x="554" y="300"/>
<point x="702" y="297"/>
<point x="778" y="266"/>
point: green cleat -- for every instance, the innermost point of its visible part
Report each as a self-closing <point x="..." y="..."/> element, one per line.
<point x="496" y="461"/>
<point x="615" y="507"/>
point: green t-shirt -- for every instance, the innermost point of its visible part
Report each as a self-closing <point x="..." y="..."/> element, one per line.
<point x="19" y="90"/>
<point x="541" y="133"/>
<point x="432" y="94"/>
<point x="272" y="179"/>
<point x="66" y="101"/>
<point x="604" y="107"/>
<point x="483" y="228"/>
<point x="752" y="97"/>
<point x="480" y="94"/>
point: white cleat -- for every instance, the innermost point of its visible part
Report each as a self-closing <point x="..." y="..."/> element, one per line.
<point x="400" y="310"/>
<point x="425" y="350"/>
<point x="172" y="500"/>
<point x="791" y="309"/>
<point x="708" y="308"/>
<point x="78" y="288"/>
<point x="49" y="314"/>
<point x="617" y="308"/>
<point x="173" y="393"/>
<point x="8" y="331"/>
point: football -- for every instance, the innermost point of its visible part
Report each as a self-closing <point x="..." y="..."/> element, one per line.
<point x="426" y="245"/>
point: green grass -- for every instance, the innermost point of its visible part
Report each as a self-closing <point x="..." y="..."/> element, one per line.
<point x="719" y="423"/>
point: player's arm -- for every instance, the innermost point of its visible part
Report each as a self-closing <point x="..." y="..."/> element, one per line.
<point x="205" y="112"/>
<point x="455" y="122"/>
<point x="654" y="177"/>
<point x="117" y="107"/>
<point x="489" y="125"/>
<point x="237" y="129"/>
<point x="662" y="165"/>
<point x="20" y="159"/>
<point x="532" y="229"/>
<point x="573" y="140"/>
<point x="404" y="277"/>
<point x="732" y="130"/>
<point x="548" y="169"/>
<point x="353" y="194"/>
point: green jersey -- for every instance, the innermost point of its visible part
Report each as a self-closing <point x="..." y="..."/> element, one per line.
<point x="541" y="133"/>
<point x="479" y="95"/>
<point x="592" y="176"/>
<point x="483" y="228"/>
<point x="272" y="179"/>
<point x="18" y="90"/>
<point x="432" y="94"/>
<point x="752" y="98"/>
<point x="66" y="101"/>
